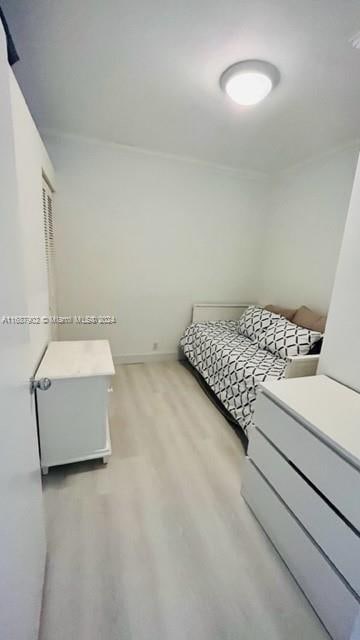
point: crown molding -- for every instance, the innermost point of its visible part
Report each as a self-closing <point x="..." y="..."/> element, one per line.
<point x="244" y="173"/>
<point x="241" y="172"/>
<point x="320" y="158"/>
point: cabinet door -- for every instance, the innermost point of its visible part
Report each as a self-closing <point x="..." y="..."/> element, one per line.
<point x="73" y="420"/>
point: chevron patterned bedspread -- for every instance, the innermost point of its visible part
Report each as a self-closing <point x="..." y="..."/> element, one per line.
<point x="232" y="365"/>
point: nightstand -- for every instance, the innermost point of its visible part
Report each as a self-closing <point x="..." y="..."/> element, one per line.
<point x="73" y="411"/>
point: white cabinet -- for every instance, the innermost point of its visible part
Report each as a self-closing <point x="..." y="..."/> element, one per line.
<point x="302" y="481"/>
<point x="72" y="412"/>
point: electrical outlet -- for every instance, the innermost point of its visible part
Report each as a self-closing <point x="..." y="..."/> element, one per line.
<point x="155" y="346"/>
<point x="355" y="40"/>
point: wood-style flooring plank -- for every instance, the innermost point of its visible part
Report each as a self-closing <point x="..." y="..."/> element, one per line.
<point x="159" y="545"/>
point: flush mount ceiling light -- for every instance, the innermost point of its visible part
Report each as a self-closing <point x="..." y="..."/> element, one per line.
<point x="250" y="81"/>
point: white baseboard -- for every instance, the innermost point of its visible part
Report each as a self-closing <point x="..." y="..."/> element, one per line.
<point x="138" y="358"/>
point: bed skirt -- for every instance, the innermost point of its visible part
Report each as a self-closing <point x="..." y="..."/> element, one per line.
<point x="215" y="400"/>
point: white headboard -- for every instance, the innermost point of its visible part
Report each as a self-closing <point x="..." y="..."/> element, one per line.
<point x="218" y="311"/>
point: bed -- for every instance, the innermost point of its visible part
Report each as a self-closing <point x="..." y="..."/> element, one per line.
<point x="233" y="356"/>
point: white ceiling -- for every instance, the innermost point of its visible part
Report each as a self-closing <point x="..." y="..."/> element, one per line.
<point x="145" y="73"/>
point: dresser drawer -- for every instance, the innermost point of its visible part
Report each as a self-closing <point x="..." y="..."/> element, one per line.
<point x="334" y="603"/>
<point x="332" y="534"/>
<point x="336" y="478"/>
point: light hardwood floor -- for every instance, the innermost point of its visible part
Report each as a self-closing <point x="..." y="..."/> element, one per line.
<point x="160" y="545"/>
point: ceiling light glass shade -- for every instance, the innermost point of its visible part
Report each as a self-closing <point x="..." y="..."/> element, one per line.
<point x="248" y="88"/>
<point x="250" y="81"/>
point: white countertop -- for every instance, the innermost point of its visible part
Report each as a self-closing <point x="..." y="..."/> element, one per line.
<point x="76" y="359"/>
<point x="326" y="407"/>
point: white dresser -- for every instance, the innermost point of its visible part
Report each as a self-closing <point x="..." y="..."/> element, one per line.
<point x="302" y="481"/>
<point x="73" y="411"/>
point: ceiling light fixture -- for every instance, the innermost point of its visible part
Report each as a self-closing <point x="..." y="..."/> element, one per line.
<point x="250" y="81"/>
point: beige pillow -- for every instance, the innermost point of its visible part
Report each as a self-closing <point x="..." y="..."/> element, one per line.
<point x="320" y="324"/>
<point x="304" y="317"/>
<point x="282" y="311"/>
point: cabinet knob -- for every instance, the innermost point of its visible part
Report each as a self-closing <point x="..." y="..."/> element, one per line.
<point x="43" y="384"/>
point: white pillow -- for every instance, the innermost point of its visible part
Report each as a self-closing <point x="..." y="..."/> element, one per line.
<point x="287" y="339"/>
<point x="255" y="321"/>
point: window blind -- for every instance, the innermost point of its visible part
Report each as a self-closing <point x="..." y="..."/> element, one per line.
<point x="49" y="238"/>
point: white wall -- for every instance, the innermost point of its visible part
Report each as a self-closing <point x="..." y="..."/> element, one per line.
<point x="340" y="355"/>
<point x="307" y="212"/>
<point x="143" y="236"/>
<point x="22" y="533"/>
<point x="31" y="162"/>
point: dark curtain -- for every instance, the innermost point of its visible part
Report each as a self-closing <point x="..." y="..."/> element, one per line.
<point x="11" y="50"/>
